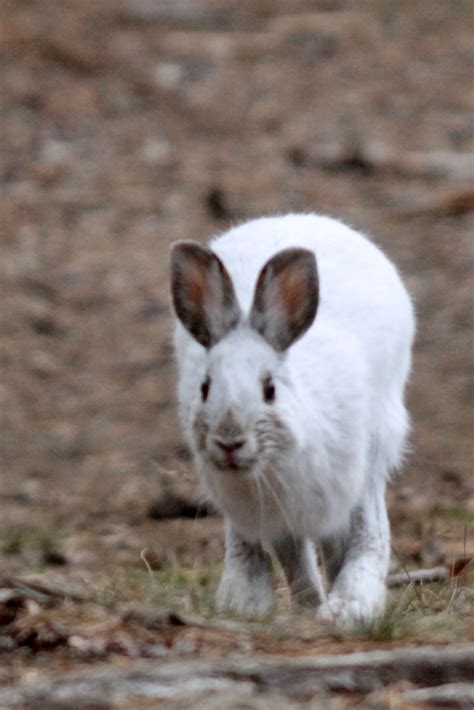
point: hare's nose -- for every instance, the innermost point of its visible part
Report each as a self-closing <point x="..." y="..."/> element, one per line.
<point x="229" y="447"/>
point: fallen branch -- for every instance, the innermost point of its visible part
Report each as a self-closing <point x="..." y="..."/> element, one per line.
<point x="459" y="695"/>
<point x="428" y="576"/>
<point x="299" y="679"/>
<point x="418" y="576"/>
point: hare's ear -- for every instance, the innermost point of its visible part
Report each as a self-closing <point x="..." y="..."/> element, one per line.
<point x="286" y="297"/>
<point x="202" y="293"/>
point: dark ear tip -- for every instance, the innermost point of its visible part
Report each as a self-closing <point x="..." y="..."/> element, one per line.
<point x="293" y="255"/>
<point x="310" y="258"/>
<point x="175" y="251"/>
<point x="187" y="247"/>
<point x="305" y="254"/>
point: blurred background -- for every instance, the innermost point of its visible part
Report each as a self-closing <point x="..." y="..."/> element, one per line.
<point x="128" y="124"/>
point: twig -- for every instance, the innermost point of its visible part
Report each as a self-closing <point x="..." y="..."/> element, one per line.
<point x="407" y="575"/>
<point x="148" y="567"/>
<point x="418" y="576"/>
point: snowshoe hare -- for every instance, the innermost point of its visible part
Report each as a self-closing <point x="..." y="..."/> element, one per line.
<point x="293" y="345"/>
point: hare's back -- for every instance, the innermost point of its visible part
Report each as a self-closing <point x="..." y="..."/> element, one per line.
<point x="354" y="273"/>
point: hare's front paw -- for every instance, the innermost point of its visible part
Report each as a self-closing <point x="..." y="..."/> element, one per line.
<point x="238" y="595"/>
<point x="349" y="613"/>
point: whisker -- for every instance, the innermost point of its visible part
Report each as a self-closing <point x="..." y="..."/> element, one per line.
<point x="260" y="504"/>
<point x="280" y="505"/>
<point x="281" y="480"/>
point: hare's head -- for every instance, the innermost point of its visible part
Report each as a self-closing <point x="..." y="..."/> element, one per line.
<point x="243" y="401"/>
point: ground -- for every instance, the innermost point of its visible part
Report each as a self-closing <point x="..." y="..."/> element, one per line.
<point x="128" y="124"/>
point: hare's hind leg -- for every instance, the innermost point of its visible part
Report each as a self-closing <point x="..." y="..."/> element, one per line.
<point x="358" y="593"/>
<point x="298" y="560"/>
<point x="360" y="557"/>
<point x="246" y="584"/>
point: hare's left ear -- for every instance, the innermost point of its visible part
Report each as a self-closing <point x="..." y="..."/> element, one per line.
<point x="202" y="293"/>
<point x="286" y="297"/>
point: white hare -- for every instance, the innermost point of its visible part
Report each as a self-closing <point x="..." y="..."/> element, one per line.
<point x="293" y="347"/>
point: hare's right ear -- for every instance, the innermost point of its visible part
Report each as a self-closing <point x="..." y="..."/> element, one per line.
<point x="202" y="293"/>
<point x="286" y="297"/>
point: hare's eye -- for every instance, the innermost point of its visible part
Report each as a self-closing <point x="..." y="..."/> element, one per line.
<point x="205" y="388"/>
<point x="268" y="390"/>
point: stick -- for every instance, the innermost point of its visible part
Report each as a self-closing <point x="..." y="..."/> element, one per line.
<point x="418" y="576"/>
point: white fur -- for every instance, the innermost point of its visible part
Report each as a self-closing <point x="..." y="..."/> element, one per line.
<point x="340" y="394"/>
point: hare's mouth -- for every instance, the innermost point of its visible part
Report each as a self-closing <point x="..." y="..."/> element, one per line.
<point x="241" y="460"/>
<point x="226" y="461"/>
<point x="244" y="466"/>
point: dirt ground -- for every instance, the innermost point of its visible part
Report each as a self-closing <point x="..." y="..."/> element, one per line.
<point x="128" y="124"/>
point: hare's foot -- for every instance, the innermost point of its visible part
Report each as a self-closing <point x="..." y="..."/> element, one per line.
<point x="349" y="611"/>
<point x="246" y="584"/>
